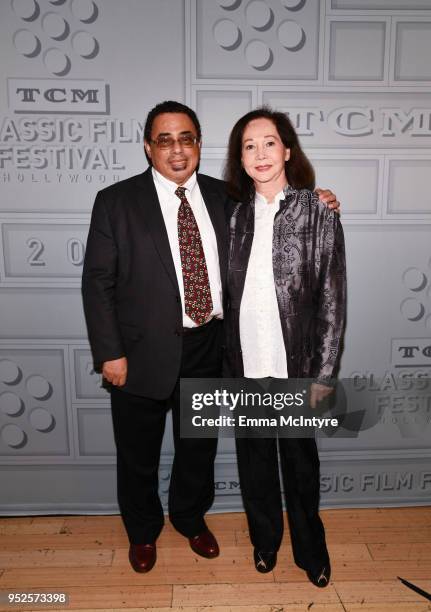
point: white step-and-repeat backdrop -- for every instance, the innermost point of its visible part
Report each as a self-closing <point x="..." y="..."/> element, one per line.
<point x="77" y="80"/>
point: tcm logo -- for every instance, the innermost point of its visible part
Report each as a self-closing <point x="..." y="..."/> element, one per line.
<point x="411" y="352"/>
<point x="80" y="97"/>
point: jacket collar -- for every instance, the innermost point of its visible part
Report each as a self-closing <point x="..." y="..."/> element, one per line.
<point x="152" y="216"/>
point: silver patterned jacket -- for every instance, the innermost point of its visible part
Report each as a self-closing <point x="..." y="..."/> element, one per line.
<point x="310" y="280"/>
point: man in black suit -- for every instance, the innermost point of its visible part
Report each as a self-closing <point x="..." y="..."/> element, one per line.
<point x="154" y="276"/>
<point x="141" y="334"/>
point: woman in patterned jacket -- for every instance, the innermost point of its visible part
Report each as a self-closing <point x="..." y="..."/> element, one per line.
<point x="285" y="319"/>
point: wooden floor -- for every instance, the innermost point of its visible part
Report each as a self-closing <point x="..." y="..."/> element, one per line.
<point x="86" y="557"/>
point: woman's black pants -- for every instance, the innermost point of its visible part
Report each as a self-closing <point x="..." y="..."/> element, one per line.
<point x="260" y="486"/>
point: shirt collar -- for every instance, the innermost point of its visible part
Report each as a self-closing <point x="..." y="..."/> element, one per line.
<point x="260" y="200"/>
<point x="169" y="186"/>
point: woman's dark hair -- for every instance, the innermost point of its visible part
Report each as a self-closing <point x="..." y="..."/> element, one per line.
<point x="299" y="171"/>
<point x="169" y="106"/>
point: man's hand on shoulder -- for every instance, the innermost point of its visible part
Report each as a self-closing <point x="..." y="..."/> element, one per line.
<point x="115" y="371"/>
<point x="328" y="198"/>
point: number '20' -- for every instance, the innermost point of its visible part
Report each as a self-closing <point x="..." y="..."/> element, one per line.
<point x="75" y="251"/>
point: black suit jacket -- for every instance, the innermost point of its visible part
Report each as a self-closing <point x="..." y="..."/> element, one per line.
<point x="131" y="297"/>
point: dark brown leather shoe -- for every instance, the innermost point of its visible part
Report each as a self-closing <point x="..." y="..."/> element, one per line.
<point x="142" y="557"/>
<point x="205" y="545"/>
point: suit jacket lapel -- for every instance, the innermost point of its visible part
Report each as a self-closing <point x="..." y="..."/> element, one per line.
<point x="153" y="218"/>
<point x="215" y="207"/>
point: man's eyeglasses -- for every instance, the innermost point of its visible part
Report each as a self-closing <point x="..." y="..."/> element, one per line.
<point x="167" y="142"/>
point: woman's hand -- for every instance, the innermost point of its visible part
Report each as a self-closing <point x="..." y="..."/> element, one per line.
<point x="328" y="198"/>
<point x="318" y="392"/>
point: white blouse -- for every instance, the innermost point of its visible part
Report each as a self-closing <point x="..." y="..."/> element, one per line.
<point x="262" y="344"/>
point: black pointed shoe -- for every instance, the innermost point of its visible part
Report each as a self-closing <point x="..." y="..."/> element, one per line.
<point x="320" y="578"/>
<point x="264" y="561"/>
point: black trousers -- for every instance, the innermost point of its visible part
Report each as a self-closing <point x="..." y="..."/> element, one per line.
<point x="261" y="492"/>
<point x="139" y="425"/>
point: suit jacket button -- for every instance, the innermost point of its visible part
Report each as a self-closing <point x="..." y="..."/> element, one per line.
<point x="177" y="332"/>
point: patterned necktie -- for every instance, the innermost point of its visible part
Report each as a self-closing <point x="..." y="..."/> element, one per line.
<point x="197" y="293"/>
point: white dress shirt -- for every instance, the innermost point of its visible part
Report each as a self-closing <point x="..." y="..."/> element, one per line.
<point x="262" y="344"/>
<point x="170" y="204"/>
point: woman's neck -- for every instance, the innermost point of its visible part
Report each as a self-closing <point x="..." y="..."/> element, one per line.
<point x="271" y="188"/>
<point x="269" y="191"/>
